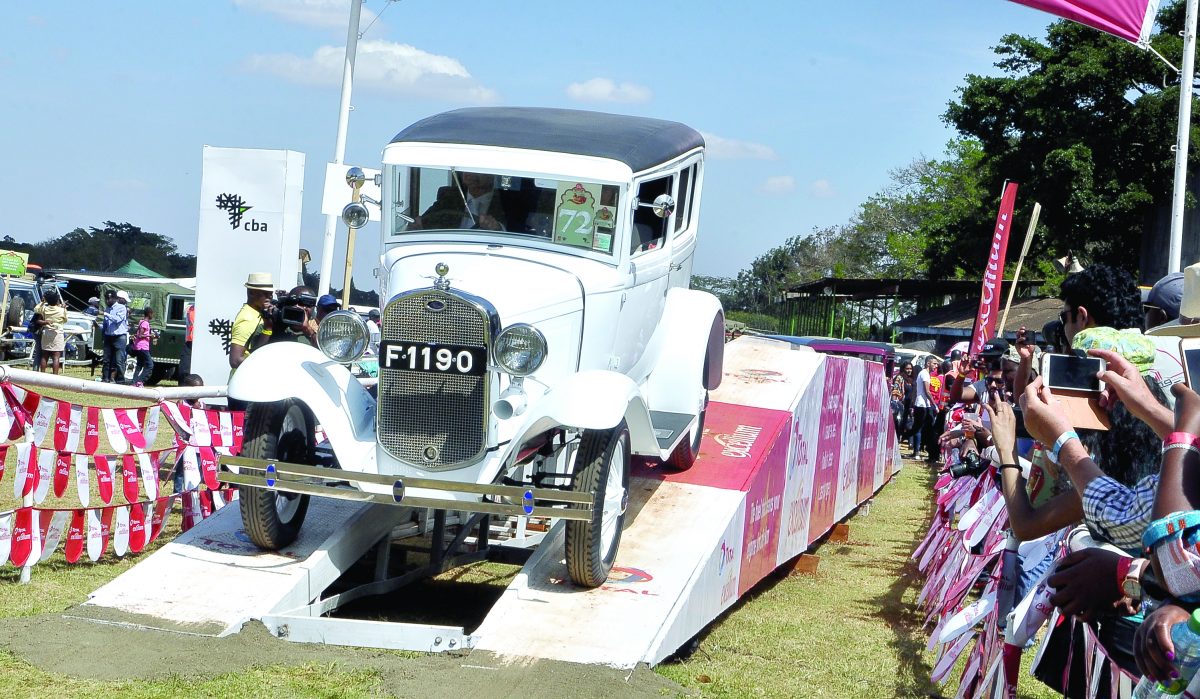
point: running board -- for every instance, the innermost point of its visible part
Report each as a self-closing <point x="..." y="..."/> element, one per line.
<point x="670" y="428"/>
<point x="298" y="478"/>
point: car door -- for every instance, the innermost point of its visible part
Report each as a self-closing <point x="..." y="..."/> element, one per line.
<point x="646" y="277"/>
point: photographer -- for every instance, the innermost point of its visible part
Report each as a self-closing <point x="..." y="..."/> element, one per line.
<point x="291" y="316"/>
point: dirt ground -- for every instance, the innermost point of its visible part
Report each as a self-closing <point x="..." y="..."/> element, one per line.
<point x="89" y="649"/>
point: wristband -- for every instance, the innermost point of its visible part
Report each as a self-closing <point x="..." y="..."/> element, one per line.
<point x="267" y="333"/>
<point x="1183" y="439"/>
<point x="1060" y="443"/>
<point x="1180" y="445"/>
<point x="1168" y="526"/>
<point x="1004" y="466"/>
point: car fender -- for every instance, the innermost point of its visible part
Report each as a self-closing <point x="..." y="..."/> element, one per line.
<point x="692" y="354"/>
<point x="341" y="406"/>
<point x="595" y="400"/>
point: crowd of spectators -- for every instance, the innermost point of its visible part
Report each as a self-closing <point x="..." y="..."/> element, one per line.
<point x="1130" y="485"/>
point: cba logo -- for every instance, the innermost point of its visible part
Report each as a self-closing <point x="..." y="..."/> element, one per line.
<point x="236" y="207"/>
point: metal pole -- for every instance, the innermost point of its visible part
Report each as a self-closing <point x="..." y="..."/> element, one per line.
<point x="339" y="150"/>
<point x="1181" y="139"/>
<point x="1037" y="211"/>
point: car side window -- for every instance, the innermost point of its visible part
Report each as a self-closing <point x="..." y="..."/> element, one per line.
<point x="683" y="202"/>
<point x="649" y="231"/>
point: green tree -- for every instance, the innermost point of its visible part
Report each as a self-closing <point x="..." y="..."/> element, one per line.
<point x="108" y="248"/>
<point x="1082" y="121"/>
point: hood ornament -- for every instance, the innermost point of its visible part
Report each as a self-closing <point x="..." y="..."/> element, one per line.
<point x="441" y="283"/>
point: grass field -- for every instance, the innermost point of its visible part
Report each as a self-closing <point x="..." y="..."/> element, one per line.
<point x="850" y="630"/>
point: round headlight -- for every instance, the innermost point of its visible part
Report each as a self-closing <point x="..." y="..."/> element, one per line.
<point x="520" y="349"/>
<point x="343" y="336"/>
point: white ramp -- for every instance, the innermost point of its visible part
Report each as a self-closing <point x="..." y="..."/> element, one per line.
<point x="650" y="605"/>
<point x="212" y="579"/>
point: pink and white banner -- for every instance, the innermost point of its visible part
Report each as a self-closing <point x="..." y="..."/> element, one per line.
<point x="1131" y="20"/>
<point x="993" y="272"/>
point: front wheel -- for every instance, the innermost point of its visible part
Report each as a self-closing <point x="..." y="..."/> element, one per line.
<point x="275" y="432"/>
<point x="601" y="469"/>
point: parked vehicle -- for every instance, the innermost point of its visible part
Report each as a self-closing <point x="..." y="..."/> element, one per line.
<point x="531" y="343"/>
<point x="170" y="302"/>
<point x="16" y="341"/>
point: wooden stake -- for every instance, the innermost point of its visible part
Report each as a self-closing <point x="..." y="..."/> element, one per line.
<point x="1037" y="211"/>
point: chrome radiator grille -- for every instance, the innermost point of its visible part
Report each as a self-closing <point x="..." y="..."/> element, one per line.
<point x="433" y="420"/>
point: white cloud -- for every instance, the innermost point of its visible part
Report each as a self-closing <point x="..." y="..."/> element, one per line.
<point x="732" y="149"/>
<point x="310" y="13"/>
<point x="382" y="65"/>
<point x="822" y="189"/>
<point x="605" y="90"/>
<point x="780" y="184"/>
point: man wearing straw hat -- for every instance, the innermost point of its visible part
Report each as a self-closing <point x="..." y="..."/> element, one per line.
<point x="248" y="324"/>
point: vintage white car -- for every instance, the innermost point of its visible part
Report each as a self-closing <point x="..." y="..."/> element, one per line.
<point x="537" y="332"/>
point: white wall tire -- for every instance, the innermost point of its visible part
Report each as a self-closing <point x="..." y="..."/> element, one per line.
<point x="282" y="431"/>
<point x="602" y="468"/>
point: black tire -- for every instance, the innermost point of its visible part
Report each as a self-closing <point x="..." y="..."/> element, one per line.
<point x="281" y="431"/>
<point x="684" y="456"/>
<point x="161" y="372"/>
<point x="589" y="557"/>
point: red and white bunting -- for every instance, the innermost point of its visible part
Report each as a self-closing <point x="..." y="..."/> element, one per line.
<point x="26" y="476"/>
<point x="121" y="531"/>
<point x="22" y="536"/>
<point x="208" y="466"/>
<point x="43" y="418"/>
<point x="129" y="477"/>
<point x="91" y="433"/>
<point x="62" y="474"/>
<point x="201" y="429"/>
<point x="54" y="524"/>
<point x="138" y="531"/>
<point x="83" y="484"/>
<point x="104" y="476"/>
<point x="75" y="417"/>
<point x="162" y="507"/>
<point x="76" y="536"/>
<point x="45" y="468"/>
<point x="113" y="429"/>
<point x="6" y="525"/>
<point x="126" y="419"/>
<point x="149" y="475"/>
<point x="239" y="432"/>
<point x="191" y="510"/>
<point x="95" y="539"/>
<point x="191" y="468"/>
<point x="149" y="417"/>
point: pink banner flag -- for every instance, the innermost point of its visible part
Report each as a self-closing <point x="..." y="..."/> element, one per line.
<point x="1131" y="20"/>
<point x="993" y="273"/>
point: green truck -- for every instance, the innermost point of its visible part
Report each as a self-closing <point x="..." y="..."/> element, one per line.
<point x="170" y="302"/>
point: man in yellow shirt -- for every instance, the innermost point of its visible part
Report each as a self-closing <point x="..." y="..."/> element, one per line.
<point x="247" y="332"/>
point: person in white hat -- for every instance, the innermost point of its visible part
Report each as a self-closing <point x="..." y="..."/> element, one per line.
<point x="248" y="324"/>
<point x="115" y="325"/>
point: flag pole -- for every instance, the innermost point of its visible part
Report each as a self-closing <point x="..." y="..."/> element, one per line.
<point x="1037" y="211"/>
<point x="1183" y="132"/>
<point x="339" y="149"/>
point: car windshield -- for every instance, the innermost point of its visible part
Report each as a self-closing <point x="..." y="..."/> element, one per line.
<point x="573" y="213"/>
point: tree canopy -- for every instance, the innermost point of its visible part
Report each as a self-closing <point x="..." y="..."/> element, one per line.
<point x="1083" y="122"/>
<point x="106" y="249"/>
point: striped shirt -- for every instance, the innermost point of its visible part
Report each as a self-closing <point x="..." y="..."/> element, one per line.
<point x="1120" y="513"/>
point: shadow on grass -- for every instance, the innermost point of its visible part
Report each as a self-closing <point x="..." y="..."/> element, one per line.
<point x="897" y="609"/>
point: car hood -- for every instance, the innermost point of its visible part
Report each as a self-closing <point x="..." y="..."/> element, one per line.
<point x="522" y="290"/>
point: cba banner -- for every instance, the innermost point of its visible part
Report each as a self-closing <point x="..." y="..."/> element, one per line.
<point x="249" y="222"/>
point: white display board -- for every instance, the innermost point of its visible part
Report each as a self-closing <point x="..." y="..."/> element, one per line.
<point x="250" y="203"/>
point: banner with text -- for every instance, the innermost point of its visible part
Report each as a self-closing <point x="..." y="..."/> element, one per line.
<point x="249" y="222"/>
<point x="993" y="272"/>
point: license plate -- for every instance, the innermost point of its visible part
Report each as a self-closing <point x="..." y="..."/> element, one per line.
<point x="433" y="357"/>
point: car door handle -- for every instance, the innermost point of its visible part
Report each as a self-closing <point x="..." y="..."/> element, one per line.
<point x="676" y="266"/>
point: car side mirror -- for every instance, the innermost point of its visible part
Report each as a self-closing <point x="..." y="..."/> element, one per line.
<point x="663" y="205"/>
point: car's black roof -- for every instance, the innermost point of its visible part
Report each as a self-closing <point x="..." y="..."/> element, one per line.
<point x="638" y="142"/>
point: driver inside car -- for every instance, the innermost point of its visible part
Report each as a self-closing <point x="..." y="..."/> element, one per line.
<point x="469" y="201"/>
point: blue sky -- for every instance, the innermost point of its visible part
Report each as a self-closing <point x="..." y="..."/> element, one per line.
<point x="806" y="106"/>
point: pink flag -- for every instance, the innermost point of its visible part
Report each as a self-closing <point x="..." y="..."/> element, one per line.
<point x="993" y="272"/>
<point x="1130" y="20"/>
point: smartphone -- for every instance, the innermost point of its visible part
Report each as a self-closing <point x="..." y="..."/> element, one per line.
<point x="1189" y="352"/>
<point x="1073" y="373"/>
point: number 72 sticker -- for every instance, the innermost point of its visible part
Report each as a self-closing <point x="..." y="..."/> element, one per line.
<point x="575" y="214"/>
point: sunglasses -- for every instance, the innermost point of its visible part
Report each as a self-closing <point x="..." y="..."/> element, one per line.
<point x="1062" y="315"/>
<point x="994" y="380"/>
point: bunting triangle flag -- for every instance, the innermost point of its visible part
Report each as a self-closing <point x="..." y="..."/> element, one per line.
<point x="129" y="477"/>
<point x="76" y="535"/>
<point x="45" y="474"/>
<point x="138" y="533"/>
<point x="104" y="476"/>
<point x="22" y="536"/>
<point x="55" y="525"/>
<point x="6" y="526"/>
<point x="121" y="531"/>
<point x="91" y="434"/>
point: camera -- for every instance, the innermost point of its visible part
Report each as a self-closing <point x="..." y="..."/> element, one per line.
<point x="291" y="311"/>
<point x="970" y="465"/>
